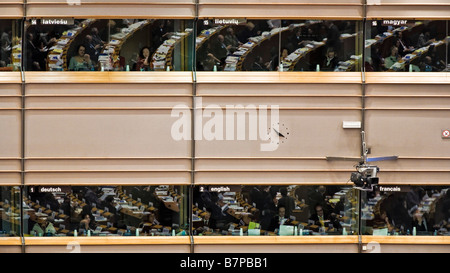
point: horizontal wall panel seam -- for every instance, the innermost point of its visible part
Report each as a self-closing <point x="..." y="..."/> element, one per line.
<point x="99" y="108"/>
<point x="408" y="109"/>
<point x="274" y="170"/>
<point x="105" y="171"/>
<point x="102" y="95"/>
<point x="99" y="158"/>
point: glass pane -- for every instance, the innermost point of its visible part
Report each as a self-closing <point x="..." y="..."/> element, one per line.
<point x="10" y="45"/>
<point x="10" y="210"/>
<point x="275" y="210"/>
<point x="406" y="45"/>
<point x="109" y="45"/>
<point x="238" y="45"/>
<point x="278" y="45"/>
<point x="151" y="45"/>
<point x="403" y="210"/>
<point x="106" y="210"/>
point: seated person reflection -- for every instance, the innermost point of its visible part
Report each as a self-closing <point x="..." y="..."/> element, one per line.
<point x="87" y="219"/>
<point x="403" y="44"/>
<point x="331" y="61"/>
<point x="382" y="221"/>
<point x="219" y="49"/>
<point x="144" y="62"/>
<point x="259" y="65"/>
<point x="222" y="214"/>
<point x="82" y="61"/>
<point x="43" y="228"/>
<point x="231" y="40"/>
<point x="279" y="219"/>
<point x="324" y="219"/>
<point x="286" y="201"/>
<point x="392" y="59"/>
<point x="420" y="222"/>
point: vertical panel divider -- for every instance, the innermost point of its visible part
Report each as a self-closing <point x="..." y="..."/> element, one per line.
<point x="193" y="112"/>
<point x="363" y="120"/>
<point x="22" y="133"/>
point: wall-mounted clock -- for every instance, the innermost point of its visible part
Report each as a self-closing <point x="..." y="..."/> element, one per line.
<point x="278" y="132"/>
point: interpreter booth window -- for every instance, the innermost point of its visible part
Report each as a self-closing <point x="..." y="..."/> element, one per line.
<point x="10" y="45"/>
<point x="106" y="210"/>
<point x="10" y="210"/>
<point x="278" y="45"/>
<point x="274" y="210"/>
<point x="406" y="210"/>
<point x="407" y="46"/>
<point x="109" y="45"/>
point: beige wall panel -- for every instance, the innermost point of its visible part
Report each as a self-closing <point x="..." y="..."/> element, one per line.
<point x="417" y="178"/>
<point x="407" y="90"/>
<point x="108" y="89"/>
<point x="10" y="245"/>
<point x="407" y="102"/>
<point x="407" y="133"/>
<point x="417" y="164"/>
<point x="270" y="164"/>
<point x="10" y="133"/>
<point x="10" y="102"/>
<point x="11" y="11"/>
<point x="102" y="133"/>
<point x="240" y="178"/>
<point x="10" y="178"/>
<point x="410" y="11"/>
<point x="277" y="89"/>
<point x="111" y="1"/>
<point x="406" y="2"/>
<point x="283" y="102"/>
<point x="10" y="77"/>
<point x="129" y="164"/>
<point x="262" y="2"/>
<point x="10" y="164"/>
<point x="312" y="133"/>
<point x="107" y="178"/>
<point x="278" y="248"/>
<point x="431" y="79"/>
<point x="103" y="77"/>
<point x="272" y="77"/>
<point x="10" y="249"/>
<point x="281" y="11"/>
<point x="413" y="248"/>
<point x="10" y="90"/>
<point x="105" y="102"/>
<point x="111" y="249"/>
<point x="111" y="11"/>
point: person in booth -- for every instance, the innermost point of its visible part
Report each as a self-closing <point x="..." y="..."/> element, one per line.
<point x="81" y="61"/>
<point x="331" y="62"/>
<point x="144" y="61"/>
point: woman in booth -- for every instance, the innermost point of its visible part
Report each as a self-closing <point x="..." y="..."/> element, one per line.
<point x="81" y="61"/>
<point x="144" y="61"/>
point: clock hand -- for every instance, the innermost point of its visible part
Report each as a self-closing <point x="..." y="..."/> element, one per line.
<point x="280" y="134"/>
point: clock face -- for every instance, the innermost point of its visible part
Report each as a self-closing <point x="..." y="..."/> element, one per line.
<point x="278" y="133"/>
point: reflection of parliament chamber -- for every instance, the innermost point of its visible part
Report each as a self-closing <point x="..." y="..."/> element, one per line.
<point x="114" y="127"/>
<point x="270" y="41"/>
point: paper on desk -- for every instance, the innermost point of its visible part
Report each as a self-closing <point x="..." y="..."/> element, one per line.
<point x="163" y="49"/>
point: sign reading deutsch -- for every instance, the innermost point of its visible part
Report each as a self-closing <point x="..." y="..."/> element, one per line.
<point x="50" y="189"/>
